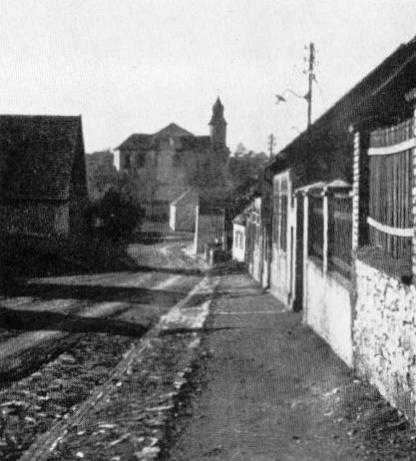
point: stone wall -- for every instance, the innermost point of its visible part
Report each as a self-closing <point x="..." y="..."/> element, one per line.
<point x="384" y="336"/>
<point x="328" y="309"/>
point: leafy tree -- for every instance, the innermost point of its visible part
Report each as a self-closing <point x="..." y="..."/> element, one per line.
<point x="115" y="215"/>
<point x="245" y="169"/>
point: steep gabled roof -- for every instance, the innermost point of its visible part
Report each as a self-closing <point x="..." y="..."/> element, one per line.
<point x="242" y="217"/>
<point x="37" y="154"/>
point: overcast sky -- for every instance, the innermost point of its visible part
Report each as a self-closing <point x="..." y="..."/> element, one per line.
<point x="136" y="65"/>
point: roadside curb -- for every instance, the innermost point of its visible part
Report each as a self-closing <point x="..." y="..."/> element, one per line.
<point x="183" y="317"/>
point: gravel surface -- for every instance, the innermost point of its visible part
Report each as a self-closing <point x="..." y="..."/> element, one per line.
<point x="131" y="421"/>
<point x="56" y="377"/>
<point x="30" y="407"/>
<point x="127" y="417"/>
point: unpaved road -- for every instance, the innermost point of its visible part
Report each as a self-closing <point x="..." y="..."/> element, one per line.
<point x="60" y="337"/>
<point x="46" y="311"/>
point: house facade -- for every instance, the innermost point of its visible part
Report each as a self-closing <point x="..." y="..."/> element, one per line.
<point x="164" y="165"/>
<point x="43" y="183"/>
<point x="182" y="213"/>
<point x="339" y="227"/>
<point x="239" y="237"/>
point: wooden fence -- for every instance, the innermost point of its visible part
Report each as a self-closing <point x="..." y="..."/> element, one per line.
<point x="330" y="231"/>
<point x="340" y="233"/>
<point x="390" y="189"/>
<point x="316" y="227"/>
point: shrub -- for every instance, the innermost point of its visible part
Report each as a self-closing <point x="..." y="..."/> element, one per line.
<point x="115" y="216"/>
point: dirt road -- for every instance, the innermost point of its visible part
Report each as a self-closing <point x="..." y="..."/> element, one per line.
<point x="61" y="337"/>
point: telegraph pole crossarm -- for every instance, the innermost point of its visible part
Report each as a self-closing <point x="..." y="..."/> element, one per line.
<point x="308" y="96"/>
<point x="272" y="143"/>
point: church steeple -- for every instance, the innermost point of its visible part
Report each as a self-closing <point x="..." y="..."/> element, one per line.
<point x="217" y="124"/>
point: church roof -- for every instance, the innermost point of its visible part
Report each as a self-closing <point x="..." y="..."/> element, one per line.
<point x="141" y="141"/>
<point x="195" y="143"/>
<point x="137" y="141"/>
<point x="217" y="112"/>
<point x="172" y="130"/>
<point x="37" y="154"/>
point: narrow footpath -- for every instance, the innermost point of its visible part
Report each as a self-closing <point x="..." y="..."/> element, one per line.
<point x="269" y="389"/>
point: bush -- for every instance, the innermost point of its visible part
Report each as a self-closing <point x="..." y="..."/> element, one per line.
<point x="115" y="216"/>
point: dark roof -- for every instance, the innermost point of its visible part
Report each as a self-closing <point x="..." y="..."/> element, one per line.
<point x="143" y="141"/>
<point x="149" y="141"/>
<point x="172" y="130"/>
<point x="137" y="141"/>
<point x="217" y="112"/>
<point x="37" y="155"/>
<point x="195" y="143"/>
<point x="377" y="97"/>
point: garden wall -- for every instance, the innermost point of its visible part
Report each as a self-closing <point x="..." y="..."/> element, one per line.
<point x="384" y="336"/>
<point x="328" y="309"/>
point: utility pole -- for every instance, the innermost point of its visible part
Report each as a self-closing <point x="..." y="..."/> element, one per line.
<point x="311" y="77"/>
<point x="272" y="143"/>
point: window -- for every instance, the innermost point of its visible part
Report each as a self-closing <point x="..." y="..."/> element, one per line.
<point x="127" y="162"/>
<point x="177" y="160"/>
<point x="239" y="239"/>
<point x="140" y="160"/>
<point x="280" y="212"/>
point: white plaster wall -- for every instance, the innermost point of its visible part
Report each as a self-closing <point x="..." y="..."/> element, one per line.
<point x="328" y="310"/>
<point x="279" y="275"/>
<point x="172" y="217"/>
<point x="238" y="251"/>
<point x="256" y="269"/>
<point x="385" y="336"/>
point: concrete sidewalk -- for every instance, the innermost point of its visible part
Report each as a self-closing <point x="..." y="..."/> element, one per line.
<point x="272" y="390"/>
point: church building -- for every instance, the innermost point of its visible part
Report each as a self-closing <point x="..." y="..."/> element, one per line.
<point x="168" y="163"/>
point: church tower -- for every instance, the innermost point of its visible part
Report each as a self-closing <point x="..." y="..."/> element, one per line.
<point x="217" y="124"/>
